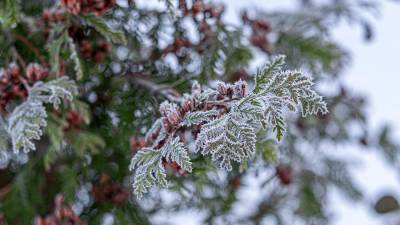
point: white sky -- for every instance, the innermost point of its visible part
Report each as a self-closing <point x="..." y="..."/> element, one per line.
<point x="374" y="73"/>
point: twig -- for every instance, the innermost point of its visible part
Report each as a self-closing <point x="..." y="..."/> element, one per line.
<point x="165" y="90"/>
<point x="21" y="61"/>
<point x="31" y="47"/>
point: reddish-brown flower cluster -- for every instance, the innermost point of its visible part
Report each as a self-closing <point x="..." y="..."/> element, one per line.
<point x="260" y="28"/>
<point x="98" y="7"/>
<point x="207" y="9"/>
<point x="36" y="72"/>
<point x="172" y="114"/>
<point x="284" y="173"/>
<point x="2" y="219"/>
<point x="235" y="182"/>
<point x="51" y="16"/>
<point x="74" y="120"/>
<point x="105" y="191"/>
<point x="137" y="143"/>
<point x="204" y="14"/>
<point x="62" y="215"/>
<point x="97" y="51"/>
<point x="177" y="46"/>
<point x="12" y="82"/>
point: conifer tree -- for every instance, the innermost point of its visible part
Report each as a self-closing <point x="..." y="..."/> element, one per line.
<point x="111" y="111"/>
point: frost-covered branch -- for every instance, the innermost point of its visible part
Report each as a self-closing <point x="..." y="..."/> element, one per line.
<point x="26" y="122"/>
<point x="227" y="119"/>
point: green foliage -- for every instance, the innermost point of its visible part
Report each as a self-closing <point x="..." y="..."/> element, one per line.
<point x="149" y="168"/>
<point x="25" y="125"/>
<point x="9" y="13"/>
<point x="227" y="139"/>
<point x="85" y="142"/>
<point x="75" y="58"/>
<point x="103" y="28"/>
<point x="27" y="120"/>
<point x="54" y="49"/>
<point x="263" y="75"/>
<point x="196" y="118"/>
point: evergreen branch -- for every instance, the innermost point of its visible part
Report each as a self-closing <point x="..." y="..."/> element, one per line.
<point x="102" y="27"/>
<point x="54" y="49"/>
<point x="196" y="118"/>
<point x="53" y="91"/>
<point x="269" y="69"/>
<point x="148" y="165"/>
<point x="27" y="120"/>
<point x="75" y="58"/>
<point x="228" y="117"/>
<point x="9" y="15"/>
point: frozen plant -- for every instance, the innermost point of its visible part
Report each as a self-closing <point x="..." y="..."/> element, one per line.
<point x="227" y="119"/>
<point x="26" y="122"/>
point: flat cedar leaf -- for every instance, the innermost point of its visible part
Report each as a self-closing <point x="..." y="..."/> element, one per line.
<point x="263" y="75"/>
<point x="75" y="58"/>
<point x="26" y="122"/>
<point x="3" y="135"/>
<point x="196" y="118"/>
<point x="53" y="91"/>
<point x="25" y="125"/>
<point x="9" y="15"/>
<point x="84" y="141"/>
<point x="149" y="168"/>
<point x="174" y="151"/>
<point x="227" y="139"/>
<point x="102" y="27"/>
<point x="267" y="149"/>
<point x="54" y="49"/>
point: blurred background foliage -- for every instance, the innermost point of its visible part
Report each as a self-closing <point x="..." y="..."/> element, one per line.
<point x="126" y="59"/>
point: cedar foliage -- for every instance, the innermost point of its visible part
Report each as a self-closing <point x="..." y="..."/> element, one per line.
<point x="97" y="89"/>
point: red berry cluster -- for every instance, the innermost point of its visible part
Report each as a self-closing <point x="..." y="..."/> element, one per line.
<point x="97" y="51"/>
<point x="284" y="173"/>
<point x="51" y="16"/>
<point x="74" y="120"/>
<point x="260" y="28"/>
<point x="204" y="14"/>
<point x="137" y="143"/>
<point x="177" y="46"/>
<point x="207" y="9"/>
<point x="62" y="215"/>
<point x="98" y="7"/>
<point x="36" y="72"/>
<point x="235" y="183"/>
<point x="2" y="219"/>
<point x="11" y="81"/>
<point x="105" y="191"/>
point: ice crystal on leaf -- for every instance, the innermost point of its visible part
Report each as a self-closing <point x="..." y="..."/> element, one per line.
<point x="53" y="91"/>
<point x="227" y="139"/>
<point x="149" y="165"/>
<point x="196" y="118"/>
<point x="25" y="123"/>
<point x="226" y="120"/>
